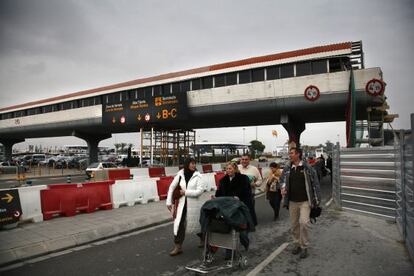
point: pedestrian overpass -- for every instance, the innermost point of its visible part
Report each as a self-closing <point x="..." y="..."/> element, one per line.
<point x="292" y="88"/>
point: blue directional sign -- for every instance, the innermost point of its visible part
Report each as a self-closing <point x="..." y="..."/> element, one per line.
<point x="148" y="111"/>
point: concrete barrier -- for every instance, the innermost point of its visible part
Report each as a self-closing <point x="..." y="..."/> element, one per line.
<point x="30" y="203"/>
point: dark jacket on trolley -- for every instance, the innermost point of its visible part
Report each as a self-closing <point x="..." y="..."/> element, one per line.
<point x="232" y="211"/>
<point x="311" y="183"/>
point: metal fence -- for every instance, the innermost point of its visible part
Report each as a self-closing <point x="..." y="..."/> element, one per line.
<point x="405" y="187"/>
<point x="366" y="178"/>
<point x="378" y="182"/>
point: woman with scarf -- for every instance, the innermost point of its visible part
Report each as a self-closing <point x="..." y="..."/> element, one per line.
<point x="190" y="188"/>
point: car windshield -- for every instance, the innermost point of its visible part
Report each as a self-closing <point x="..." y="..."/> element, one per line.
<point x="93" y="165"/>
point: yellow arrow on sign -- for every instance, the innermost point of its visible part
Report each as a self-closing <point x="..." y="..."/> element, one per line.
<point x="8" y="197"/>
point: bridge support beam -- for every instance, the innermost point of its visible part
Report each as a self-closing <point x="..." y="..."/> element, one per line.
<point x="93" y="142"/>
<point x="294" y="129"/>
<point x="8" y="147"/>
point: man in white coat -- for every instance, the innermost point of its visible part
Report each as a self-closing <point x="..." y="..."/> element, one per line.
<point x="191" y="188"/>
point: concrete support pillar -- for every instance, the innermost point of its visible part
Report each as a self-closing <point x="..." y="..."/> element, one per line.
<point x="8" y="147"/>
<point x="93" y="142"/>
<point x="294" y="129"/>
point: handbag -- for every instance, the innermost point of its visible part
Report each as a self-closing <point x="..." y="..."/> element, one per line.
<point x="314" y="213"/>
<point x="176" y="198"/>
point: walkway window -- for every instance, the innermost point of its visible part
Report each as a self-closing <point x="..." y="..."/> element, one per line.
<point x="207" y="82"/>
<point x="272" y="72"/>
<point x="34" y="111"/>
<point x="87" y="102"/>
<point x="111" y="98"/>
<point x="286" y="71"/>
<point x="258" y="74"/>
<point x="124" y="96"/>
<point x="319" y="67"/>
<point x="195" y="84"/>
<point x="219" y="80"/>
<point x="245" y="76"/>
<point x="166" y="89"/>
<point x="231" y="78"/>
<point x="6" y="116"/>
<point x="97" y="100"/>
<point x="46" y="109"/>
<point x="185" y="86"/>
<point x="156" y="91"/>
<point x="19" y="113"/>
<point x="175" y="87"/>
<point x="334" y="65"/>
<point x="148" y="91"/>
<point x="303" y="68"/>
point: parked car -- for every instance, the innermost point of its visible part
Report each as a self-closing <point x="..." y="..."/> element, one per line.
<point x="98" y="166"/>
<point x="155" y="163"/>
<point x="36" y="158"/>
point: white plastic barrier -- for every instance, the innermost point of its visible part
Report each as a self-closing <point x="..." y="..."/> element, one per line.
<point x="149" y="189"/>
<point x="217" y="167"/>
<point x="210" y="181"/>
<point x="139" y="172"/>
<point x="126" y="192"/>
<point x="199" y="168"/>
<point x="171" y="171"/>
<point x="265" y="172"/>
<point x="30" y="203"/>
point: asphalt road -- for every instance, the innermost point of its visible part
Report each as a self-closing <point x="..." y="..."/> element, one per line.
<point x="146" y="253"/>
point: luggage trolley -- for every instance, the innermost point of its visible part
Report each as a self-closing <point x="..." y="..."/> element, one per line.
<point x="220" y="235"/>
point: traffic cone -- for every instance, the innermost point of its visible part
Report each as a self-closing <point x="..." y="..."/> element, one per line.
<point x="68" y="179"/>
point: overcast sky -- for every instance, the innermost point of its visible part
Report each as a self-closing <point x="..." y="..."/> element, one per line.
<point x="51" y="47"/>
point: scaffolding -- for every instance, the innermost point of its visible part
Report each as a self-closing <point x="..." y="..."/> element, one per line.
<point x="169" y="147"/>
<point x="374" y="126"/>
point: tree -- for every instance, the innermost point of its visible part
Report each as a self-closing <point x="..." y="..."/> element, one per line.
<point x="256" y="147"/>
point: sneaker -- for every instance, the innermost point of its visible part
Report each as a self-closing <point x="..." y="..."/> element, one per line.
<point x="296" y="250"/>
<point x="304" y="253"/>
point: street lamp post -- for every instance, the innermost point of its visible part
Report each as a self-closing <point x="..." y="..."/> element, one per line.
<point x="244" y="129"/>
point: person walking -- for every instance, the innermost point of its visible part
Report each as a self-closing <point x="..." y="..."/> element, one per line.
<point x="300" y="187"/>
<point x="255" y="179"/>
<point x="235" y="184"/>
<point x="272" y="188"/>
<point x="188" y="186"/>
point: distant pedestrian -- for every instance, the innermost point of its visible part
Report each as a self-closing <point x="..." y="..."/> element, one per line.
<point x="300" y="187"/>
<point x="191" y="187"/>
<point x="272" y="188"/>
<point x="254" y="176"/>
<point x="329" y="165"/>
